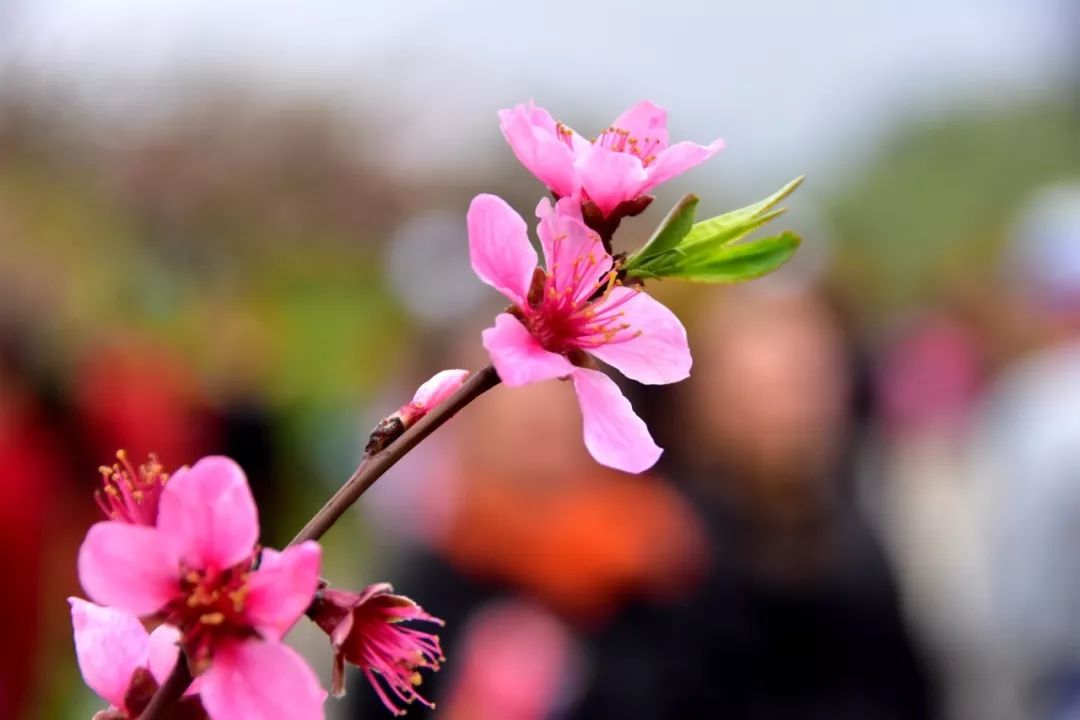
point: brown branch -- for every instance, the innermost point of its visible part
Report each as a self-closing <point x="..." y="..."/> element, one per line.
<point x="371" y="469"/>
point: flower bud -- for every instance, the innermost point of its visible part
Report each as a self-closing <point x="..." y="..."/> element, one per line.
<point x="428" y="396"/>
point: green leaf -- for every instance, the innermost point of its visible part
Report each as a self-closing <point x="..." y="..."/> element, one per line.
<point x="737" y="224"/>
<point x="672" y="229"/>
<point x="734" y="263"/>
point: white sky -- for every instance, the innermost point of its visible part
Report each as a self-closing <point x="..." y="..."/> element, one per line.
<point x="793" y="85"/>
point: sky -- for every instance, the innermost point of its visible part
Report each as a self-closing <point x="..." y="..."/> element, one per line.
<point x="793" y="86"/>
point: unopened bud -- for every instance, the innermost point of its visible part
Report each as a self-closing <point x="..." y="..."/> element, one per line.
<point x="428" y="397"/>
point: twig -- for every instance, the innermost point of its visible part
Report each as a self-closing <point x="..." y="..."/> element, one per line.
<point x="371" y="469"/>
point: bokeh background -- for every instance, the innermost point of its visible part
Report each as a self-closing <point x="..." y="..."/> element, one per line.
<point x="239" y="227"/>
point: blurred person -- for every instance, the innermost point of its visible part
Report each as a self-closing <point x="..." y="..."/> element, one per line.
<point x="1027" y="462"/>
<point x="799" y="615"/>
<point x="538" y="552"/>
<point x="929" y="380"/>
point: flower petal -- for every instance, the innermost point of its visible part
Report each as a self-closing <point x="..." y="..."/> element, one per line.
<point x="164" y="649"/>
<point x="282" y="588"/>
<point x="647" y="124"/>
<point x="518" y="357"/>
<point x="499" y="247"/>
<point x="660" y="353"/>
<point x="131" y="567"/>
<point x="614" y="434"/>
<point x="110" y="645"/>
<point x="263" y="681"/>
<point x="610" y="177"/>
<point x="209" y="513"/>
<point x="573" y="254"/>
<point x="442" y="385"/>
<point x="534" y="137"/>
<point x="679" y="158"/>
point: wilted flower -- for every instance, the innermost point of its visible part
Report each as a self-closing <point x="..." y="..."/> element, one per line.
<point x="577" y="306"/>
<point x="121" y="662"/>
<point x="200" y="570"/>
<point x="366" y="630"/>
<point x="624" y="162"/>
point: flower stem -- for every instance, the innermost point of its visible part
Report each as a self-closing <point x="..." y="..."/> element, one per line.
<point x="166" y="697"/>
<point x="371" y="468"/>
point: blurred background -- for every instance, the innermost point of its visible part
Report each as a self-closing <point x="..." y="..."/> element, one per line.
<point x="239" y="227"/>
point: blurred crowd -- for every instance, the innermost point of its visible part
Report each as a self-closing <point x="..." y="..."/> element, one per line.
<point x="868" y="507"/>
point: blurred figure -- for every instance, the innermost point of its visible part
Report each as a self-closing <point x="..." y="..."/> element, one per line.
<point x="928" y="506"/>
<point x="1028" y="461"/>
<point x="799" y="617"/>
<point x="541" y="553"/>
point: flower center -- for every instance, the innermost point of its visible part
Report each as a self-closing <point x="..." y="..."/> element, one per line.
<point x="210" y="608"/>
<point x="130" y="495"/>
<point x="620" y="140"/>
<point x="571" y="308"/>
<point x="617" y="140"/>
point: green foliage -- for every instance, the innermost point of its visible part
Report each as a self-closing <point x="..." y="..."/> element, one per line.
<point x="937" y="199"/>
<point x="714" y="250"/>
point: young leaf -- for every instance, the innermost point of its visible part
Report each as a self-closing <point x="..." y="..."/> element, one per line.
<point x="734" y="263"/>
<point x="672" y="229"/>
<point x="737" y="224"/>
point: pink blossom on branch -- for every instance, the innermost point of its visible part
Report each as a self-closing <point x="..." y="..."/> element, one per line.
<point x="120" y="661"/>
<point x="624" y="162"/>
<point x="199" y="569"/>
<point x="573" y="309"/>
<point x="366" y="630"/>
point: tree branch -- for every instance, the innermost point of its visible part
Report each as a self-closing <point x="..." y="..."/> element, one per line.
<point x="371" y="469"/>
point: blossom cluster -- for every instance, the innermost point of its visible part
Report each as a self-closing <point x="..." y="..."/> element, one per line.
<point x="176" y="574"/>
<point x="180" y="553"/>
<point x="577" y="308"/>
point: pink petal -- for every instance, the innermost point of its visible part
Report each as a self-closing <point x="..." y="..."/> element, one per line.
<point x="282" y="588"/>
<point x="679" y="158"/>
<point x="499" y="247"/>
<point x="614" y="435"/>
<point x="131" y="567"/>
<point x="164" y="649"/>
<point x="532" y="134"/>
<point x="109" y="645"/>
<point x="261" y="681"/>
<point x="518" y="357"/>
<point x="209" y="514"/>
<point x="610" y="177"/>
<point x="660" y="354"/>
<point x="573" y="254"/>
<point x="647" y="123"/>
<point x="441" y="386"/>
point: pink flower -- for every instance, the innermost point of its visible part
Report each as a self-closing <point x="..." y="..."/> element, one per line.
<point x="428" y="396"/>
<point x="366" y="630"/>
<point x="200" y="570"/>
<point x="120" y="661"/>
<point x="576" y="306"/>
<point x="130" y="495"/>
<point x="626" y="161"/>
